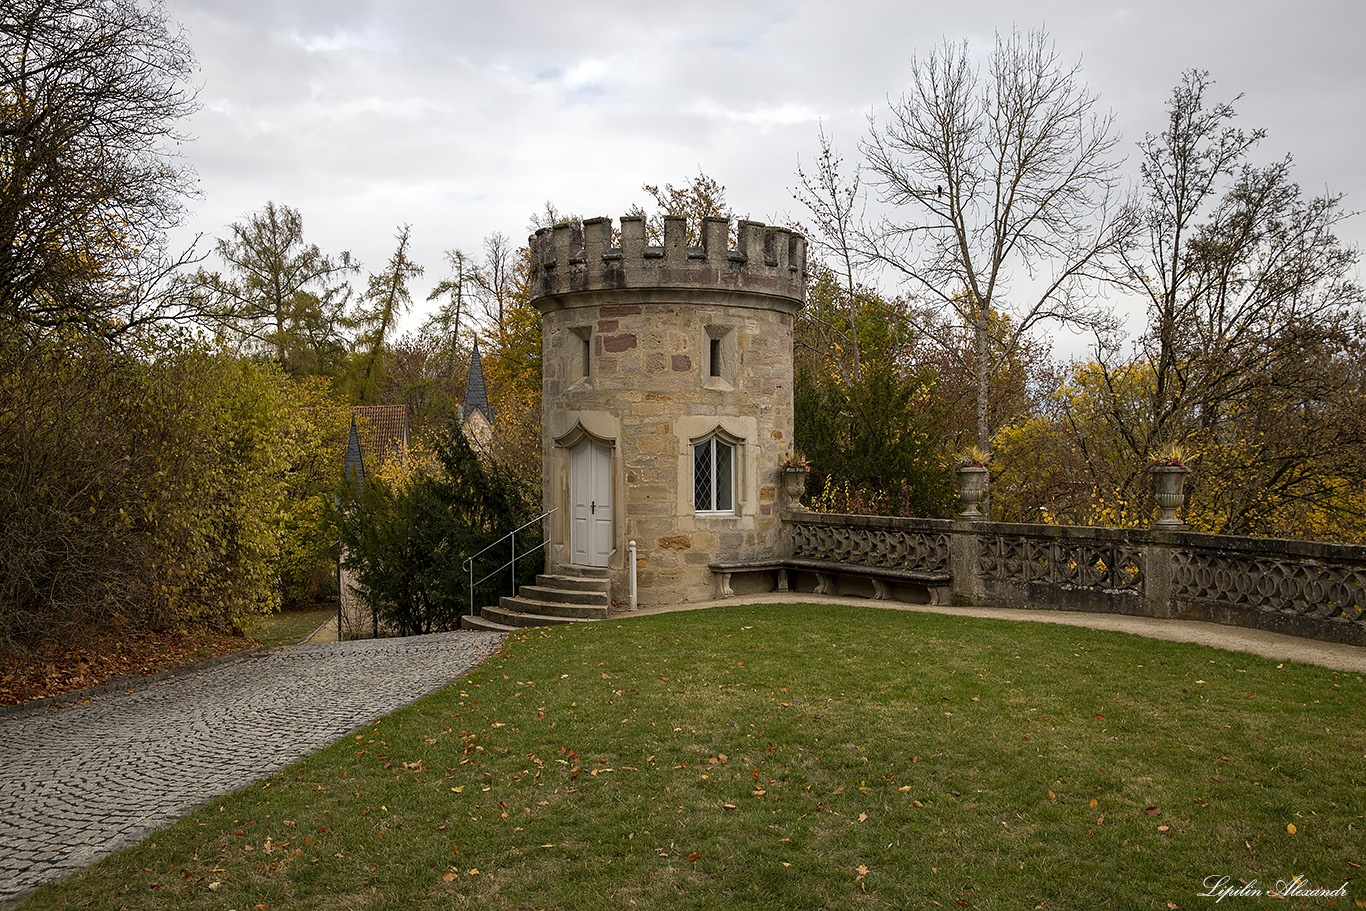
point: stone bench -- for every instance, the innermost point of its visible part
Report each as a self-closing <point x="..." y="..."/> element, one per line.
<point x="883" y="578"/>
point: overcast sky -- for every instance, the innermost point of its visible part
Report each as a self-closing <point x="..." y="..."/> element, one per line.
<point x="464" y="118"/>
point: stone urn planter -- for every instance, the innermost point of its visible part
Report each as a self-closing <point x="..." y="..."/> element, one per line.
<point x="1169" y="490"/>
<point x="794" y="486"/>
<point x="972" y="487"/>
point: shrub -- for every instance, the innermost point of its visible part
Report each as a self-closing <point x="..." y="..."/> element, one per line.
<point x="146" y="487"/>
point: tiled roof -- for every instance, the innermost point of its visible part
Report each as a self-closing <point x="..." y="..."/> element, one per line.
<point x="382" y="431"/>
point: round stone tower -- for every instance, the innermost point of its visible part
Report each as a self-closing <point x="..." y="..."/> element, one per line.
<point x="666" y="397"/>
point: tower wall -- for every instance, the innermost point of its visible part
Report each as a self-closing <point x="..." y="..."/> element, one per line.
<point x="649" y="352"/>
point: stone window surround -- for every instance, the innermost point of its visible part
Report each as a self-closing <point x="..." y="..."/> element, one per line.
<point x="736" y="430"/>
<point x="715" y="445"/>
<point x="726" y="342"/>
<point x="579" y="355"/>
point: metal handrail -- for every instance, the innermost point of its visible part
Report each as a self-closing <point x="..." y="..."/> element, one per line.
<point x="469" y="561"/>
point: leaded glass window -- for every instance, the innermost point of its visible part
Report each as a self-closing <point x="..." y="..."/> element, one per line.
<point x="713" y="476"/>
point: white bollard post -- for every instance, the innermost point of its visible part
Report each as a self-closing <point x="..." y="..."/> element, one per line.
<point x="632" y="548"/>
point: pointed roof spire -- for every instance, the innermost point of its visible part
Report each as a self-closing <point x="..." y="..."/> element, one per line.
<point x="355" y="463"/>
<point x="476" y="394"/>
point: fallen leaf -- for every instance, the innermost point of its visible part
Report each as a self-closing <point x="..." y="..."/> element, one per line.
<point x="1094" y="803"/>
<point x="694" y="857"/>
<point x="863" y="817"/>
<point x="862" y="870"/>
<point x="1152" y="811"/>
<point x="1052" y="796"/>
<point x="448" y="877"/>
<point x="1290" y="827"/>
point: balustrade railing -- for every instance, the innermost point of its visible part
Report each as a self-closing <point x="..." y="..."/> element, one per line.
<point x="1298" y="587"/>
<point x="872" y="541"/>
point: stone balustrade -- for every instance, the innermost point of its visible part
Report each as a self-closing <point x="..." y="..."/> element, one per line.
<point x="1300" y="588"/>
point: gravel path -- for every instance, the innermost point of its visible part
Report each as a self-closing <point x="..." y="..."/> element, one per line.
<point x="78" y="783"/>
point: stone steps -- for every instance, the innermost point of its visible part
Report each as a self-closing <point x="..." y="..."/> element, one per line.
<point x="576" y="595"/>
<point x="568" y="596"/>
<point x="576" y="583"/>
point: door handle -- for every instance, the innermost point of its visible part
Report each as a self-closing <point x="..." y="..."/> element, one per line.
<point x="593" y="508"/>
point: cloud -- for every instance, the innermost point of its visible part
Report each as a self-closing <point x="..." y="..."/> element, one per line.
<point x="463" y="118"/>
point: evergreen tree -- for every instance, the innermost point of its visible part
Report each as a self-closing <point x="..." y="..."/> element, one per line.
<point x="407" y="543"/>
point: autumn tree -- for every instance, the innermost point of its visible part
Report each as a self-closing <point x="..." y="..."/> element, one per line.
<point x="386" y="299"/>
<point x="699" y="198"/>
<point x="1254" y="320"/>
<point x="280" y="295"/>
<point x="181" y="485"/>
<point x="1229" y="252"/>
<point x="91" y="94"/>
<point x="423" y="372"/>
<point x="512" y="372"/>
<point x="1002" y="193"/>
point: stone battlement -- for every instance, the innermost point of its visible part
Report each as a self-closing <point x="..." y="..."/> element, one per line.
<point x="567" y="259"/>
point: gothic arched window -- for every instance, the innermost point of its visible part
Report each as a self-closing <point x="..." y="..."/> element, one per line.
<point x="713" y="464"/>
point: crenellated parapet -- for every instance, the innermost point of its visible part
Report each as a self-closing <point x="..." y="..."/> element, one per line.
<point x="767" y="260"/>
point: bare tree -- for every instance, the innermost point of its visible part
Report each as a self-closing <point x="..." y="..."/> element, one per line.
<point x="1004" y="193"/>
<point x="90" y="95"/>
<point x="1230" y="257"/>
<point x="446" y="321"/>
<point x="836" y="205"/>
<point x="1255" y="325"/>
<point x="497" y="277"/>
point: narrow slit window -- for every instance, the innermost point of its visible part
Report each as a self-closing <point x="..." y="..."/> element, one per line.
<point x="714" y="357"/>
<point x="579" y="355"/>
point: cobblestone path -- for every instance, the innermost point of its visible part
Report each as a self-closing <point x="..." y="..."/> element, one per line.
<point x="77" y="783"/>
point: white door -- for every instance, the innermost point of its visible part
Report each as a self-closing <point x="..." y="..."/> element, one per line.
<point x="590" y="494"/>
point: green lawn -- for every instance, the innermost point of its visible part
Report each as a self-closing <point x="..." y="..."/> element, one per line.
<point x="290" y="627"/>
<point x="799" y="757"/>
